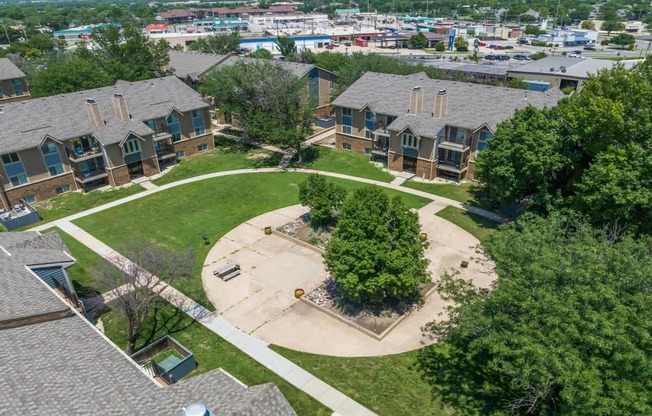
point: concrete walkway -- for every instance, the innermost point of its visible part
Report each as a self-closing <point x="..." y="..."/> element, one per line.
<point x="253" y="347"/>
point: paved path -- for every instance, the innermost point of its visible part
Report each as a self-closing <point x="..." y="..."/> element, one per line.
<point x="252" y="346"/>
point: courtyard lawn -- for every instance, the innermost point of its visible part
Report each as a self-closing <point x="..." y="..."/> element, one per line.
<point x="387" y="385"/>
<point x="342" y="161"/>
<point x="228" y="155"/>
<point x="86" y="274"/>
<point x="74" y="202"/>
<point x="210" y="350"/>
<point x="178" y="218"/>
<point x="481" y="227"/>
<point x="467" y="193"/>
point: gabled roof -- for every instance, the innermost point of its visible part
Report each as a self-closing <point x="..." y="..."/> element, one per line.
<point x="579" y="68"/>
<point x="24" y="125"/>
<point x="8" y="70"/>
<point x="469" y="105"/>
<point x="298" y="69"/>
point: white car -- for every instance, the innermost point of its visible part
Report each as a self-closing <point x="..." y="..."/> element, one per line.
<point x="574" y="55"/>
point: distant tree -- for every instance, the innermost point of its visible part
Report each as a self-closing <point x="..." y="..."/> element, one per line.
<point x="271" y="103"/>
<point x="418" y="41"/>
<point x="461" y="45"/>
<point x="612" y="26"/>
<point x="323" y="198"/>
<point x="624" y="40"/>
<point x="305" y="56"/>
<point x="286" y="46"/>
<point x="261" y="54"/>
<point x="563" y="330"/>
<point x="376" y="255"/>
<point x="139" y="281"/>
<point x="219" y="43"/>
<point x="588" y="25"/>
<point x="538" y="55"/>
<point x="440" y="47"/>
<point x="518" y="83"/>
<point x="532" y="30"/>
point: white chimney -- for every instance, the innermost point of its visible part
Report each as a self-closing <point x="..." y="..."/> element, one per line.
<point x="416" y="100"/>
<point x="94" y="112"/>
<point x="120" y="107"/>
<point x="441" y="104"/>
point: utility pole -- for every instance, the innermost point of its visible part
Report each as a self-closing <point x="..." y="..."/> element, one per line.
<point x="557" y="12"/>
<point x="2" y="22"/>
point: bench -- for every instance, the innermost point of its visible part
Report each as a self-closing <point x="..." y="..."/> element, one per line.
<point x="228" y="271"/>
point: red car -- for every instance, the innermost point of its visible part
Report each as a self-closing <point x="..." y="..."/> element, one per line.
<point x="329" y="46"/>
<point x="483" y="43"/>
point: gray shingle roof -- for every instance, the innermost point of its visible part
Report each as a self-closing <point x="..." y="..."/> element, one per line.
<point x="65" y="367"/>
<point x="469" y="105"/>
<point x="8" y="70"/>
<point x="298" y="69"/>
<point x="25" y="124"/>
<point x="193" y="64"/>
<point x="575" y="67"/>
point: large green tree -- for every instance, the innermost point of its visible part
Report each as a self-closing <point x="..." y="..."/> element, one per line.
<point x="582" y="154"/>
<point x="624" y="40"/>
<point x="221" y="43"/>
<point x="612" y="26"/>
<point x="376" y="255"/>
<point x="565" y="329"/>
<point x="271" y="103"/>
<point x="418" y="41"/>
<point x="286" y="46"/>
<point x="322" y="197"/>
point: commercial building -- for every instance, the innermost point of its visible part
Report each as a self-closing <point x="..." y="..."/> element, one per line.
<point x="12" y="82"/>
<point x="105" y="136"/>
<point x="431" y="128"/>
<point x="561" y="71"/>
<point x="55" y="362"/>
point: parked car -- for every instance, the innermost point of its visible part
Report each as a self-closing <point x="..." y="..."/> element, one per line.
<point x="500" y="47"/>
<point x="577" y="52"/>
<point x="329" y="46"/>
<point x="492" y="46"/>
<point x="490" y="57"/>
<point x="482" y="44"/>
<point x="590" y="48"/>
<point x="574" y="55"/>
<point x="522" y="41"/>
<point x="503" y="57"/>
<point x="522" y="58"/>
<point x="347" y="43"/>
<point x="336" y="44"/>
<point x="509" y="47"/>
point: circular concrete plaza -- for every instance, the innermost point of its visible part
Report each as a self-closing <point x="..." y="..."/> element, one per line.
<point x="261" y="302"/>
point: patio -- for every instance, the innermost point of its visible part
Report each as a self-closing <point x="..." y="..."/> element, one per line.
<point x="261" y="299"/>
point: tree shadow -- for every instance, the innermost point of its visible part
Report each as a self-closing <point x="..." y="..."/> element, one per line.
<point x="309" y="156"/>
<point x="162" y="323"/>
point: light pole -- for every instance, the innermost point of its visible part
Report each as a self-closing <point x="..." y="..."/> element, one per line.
<point x="2" y="22"/>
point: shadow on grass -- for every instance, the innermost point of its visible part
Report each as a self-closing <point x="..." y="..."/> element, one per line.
<point x="309" y="155"/>
<point x="161" y="324"/>
<point x="262" y="159"/>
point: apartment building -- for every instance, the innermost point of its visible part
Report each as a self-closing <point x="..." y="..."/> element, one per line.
<point x="431" y="128"/>
<point x="192" y="66"/>
<point x="104" y="136"/>
<point x="12" y="83"/>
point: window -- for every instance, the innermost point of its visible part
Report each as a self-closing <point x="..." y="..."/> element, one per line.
<point x="346" y="146"/>
<point x="14" y="168"/>
<point x="346" y="129"/>
<point x="202" y="147"/>
<point x="346" y="120"/>
<point x="368" y="134"/>
<point x="198" y="122"/>
<point x="17" y="86"/>
<point x="410" y="140"/>
<point x="390" y="119"/>
<point x="181" y="153"/>
<point x="30" y="199"/>
<point x="369" y="120"/>
<point x="457" y="135"/>
<point x="62" y="189"/>
<point x="483" y="139"/>
<point x="173" y="124"/>
<point x="131" y="146"/>
<point x="367" y="150"/>
<point x="346" y="111"/>
<point x="52" y="158"/>
<point x="151" y="124"/>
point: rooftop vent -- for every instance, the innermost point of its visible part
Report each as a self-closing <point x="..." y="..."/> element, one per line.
<point x="90" y="101"/>
<point x="197" y="409"/>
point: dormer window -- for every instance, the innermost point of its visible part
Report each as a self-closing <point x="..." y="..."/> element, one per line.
<point x="410" y="140"/>
<point x="131" y="146"/>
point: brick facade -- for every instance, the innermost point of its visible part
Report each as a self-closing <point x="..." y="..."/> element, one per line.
<point x="119" y="176"/>
<point x="189" y="146"/>
<point x="150" y="167"/>
<point x="324" y="111"/>
<point x="41" y="190"/>
<point x="358" y="144"/>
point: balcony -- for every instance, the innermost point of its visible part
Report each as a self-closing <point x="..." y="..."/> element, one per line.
<point x="80" y="154"/>
<point x="410" y="151"/>
<point x="165" y="151"/>
<point x="451" y="165"/>
<point x="380" y="129"/>
<point x="89" y="175"/>
<point x="379" y="150"/>
<point x="457" y="146"/>
<point x="162" y="133"/>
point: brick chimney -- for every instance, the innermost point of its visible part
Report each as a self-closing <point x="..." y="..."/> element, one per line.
<point x="120" y="107"/>
<point x="94" y="112"/>
<point x="441" y="104"/>
<point x="416" y="100"/>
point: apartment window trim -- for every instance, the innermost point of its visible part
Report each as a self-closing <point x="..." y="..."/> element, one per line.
<point x="198" y="122"/>
<point x="63" y="189"/>
<point x="346" y="129"/>
<point x="347" y="112"/>
<point x="410" y="140"/>
<point x="175" y="127"/>
<point x="30" y="199"/>
<point x="17" y="87"/>
<point x="55" y="168"/>
<point x="130" y="147"/>
<point x="202" y="147"/>
<point x="19" y="178"/>
<point x="346" y="146"/>
<point x="368" y="134"/>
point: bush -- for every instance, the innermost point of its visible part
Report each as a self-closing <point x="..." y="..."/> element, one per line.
<point x="323" y="198"/>
<point x="538" y="55"/>
<point x="440" y="47"/>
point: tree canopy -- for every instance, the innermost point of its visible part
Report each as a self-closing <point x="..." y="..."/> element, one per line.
<point x="219" y="43"/>
<point x="586" y="154"/>
<point x="271" y="103"/>
<point x="376" y="255"/>
<point x="564" y="330"/>
<point x="612" y="26"/>
<point x="418" y="41"/>
<point x="322" y="197"/>
<point x="286" y="46"/>
<point x="623" y="40"/>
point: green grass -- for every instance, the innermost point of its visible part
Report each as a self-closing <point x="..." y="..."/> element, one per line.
<point x="387" y="385"/>
<point x="177" y="218"/>
<point x="210" y="351"/>
<point x="74" y="202"/>
<point x="228" y="155"/>
<point x="467" y="193"/>
<point x="479" y="226"/>
<point x="342" y="161"/>
<point x="86" y="273"/>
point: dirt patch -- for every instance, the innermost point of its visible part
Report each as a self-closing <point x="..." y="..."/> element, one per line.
<point x="259" y="156"/>
<point x="301" y="230"/>
<point x="374" y="320"/>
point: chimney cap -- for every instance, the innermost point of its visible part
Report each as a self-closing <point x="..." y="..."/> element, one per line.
<point x="441" y="92"/>
<point x="90" y="100"/>
<point x="416" y="88"/>
<point x="117" y="95"/>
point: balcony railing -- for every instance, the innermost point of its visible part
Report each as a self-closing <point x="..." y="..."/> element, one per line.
<point x="452" y="165"/>
<point x="165" y="151"/>
<point x="162" y="132"/>
<point x="78" y="154"/>
<point x="89" y="175"/>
